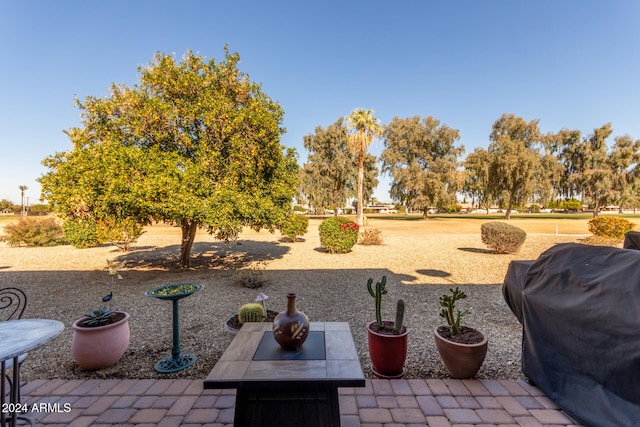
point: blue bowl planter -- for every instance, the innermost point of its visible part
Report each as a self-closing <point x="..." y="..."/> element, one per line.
<point x="176" y="361"/>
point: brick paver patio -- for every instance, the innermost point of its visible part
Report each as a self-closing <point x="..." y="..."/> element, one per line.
<point x="382" y="403"/>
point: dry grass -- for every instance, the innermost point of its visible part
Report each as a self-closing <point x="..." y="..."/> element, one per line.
<point x="421" y="260"/>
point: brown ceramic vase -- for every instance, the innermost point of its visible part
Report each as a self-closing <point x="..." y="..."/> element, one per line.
<point x="291" y="327"/>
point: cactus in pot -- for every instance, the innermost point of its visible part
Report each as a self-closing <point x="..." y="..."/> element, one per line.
<point x="387" y="339"/>
<point x="251" y="312"/>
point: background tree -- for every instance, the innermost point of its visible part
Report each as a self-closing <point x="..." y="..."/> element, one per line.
<point x="7" y="205"/>
<point x="563" y="146"/>
<point x="515" y="160"/>
<point x="22" y="188"/>
<point x="363" y="127"/>
<point x="592" y="175"/>
<point x="422" y="159"/>
<point x="623" y="161"/>
<point x="477" y="165"/>
<point x="194" y="143"/>
<point x="329" y="177"/>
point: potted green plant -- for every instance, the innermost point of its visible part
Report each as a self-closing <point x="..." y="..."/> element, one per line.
<point x="461" y="348"/>
<point x="388" y="339"/>
<point x="101" y="337"/>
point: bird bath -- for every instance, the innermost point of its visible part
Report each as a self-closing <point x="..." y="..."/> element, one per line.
<point x="176" y="361"/>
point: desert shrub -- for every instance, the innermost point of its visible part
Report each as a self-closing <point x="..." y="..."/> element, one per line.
<point x="121" y="232"/>
<point x="371" y="236"/>
<point x="34" y="232"/>
<point x="338" y="234"/>
<point x="501" y="237"/>
<point x="253" y="276"/>
<point x="81" y="233"/>
<point x="294" y="225"/>
<point x="609" y="226"/>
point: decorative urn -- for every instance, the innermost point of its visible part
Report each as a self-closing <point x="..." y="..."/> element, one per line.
<point x="291" y="327"/>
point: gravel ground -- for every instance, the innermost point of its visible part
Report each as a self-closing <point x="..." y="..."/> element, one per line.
<point x="63" y="283"/>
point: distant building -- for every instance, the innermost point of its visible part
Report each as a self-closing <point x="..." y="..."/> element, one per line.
<point x="382" y="208"/>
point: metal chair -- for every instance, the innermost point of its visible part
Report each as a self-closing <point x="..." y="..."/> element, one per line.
<point x="13" y="301"/>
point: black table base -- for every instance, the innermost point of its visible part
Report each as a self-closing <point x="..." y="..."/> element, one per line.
<point x="286" y="404"/>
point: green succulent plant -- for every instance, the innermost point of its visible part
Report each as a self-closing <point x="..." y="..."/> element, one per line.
<point x="98" y="317"/>
<point x="449" y="312"/>
<point x="377" y="293"/>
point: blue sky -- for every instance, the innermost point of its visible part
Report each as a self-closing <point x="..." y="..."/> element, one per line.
<point x="569" y="63"/>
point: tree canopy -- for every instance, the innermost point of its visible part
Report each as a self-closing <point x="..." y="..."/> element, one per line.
<point x="194" y="143"/>
<point x="329" y="177"/>
<point x="514" y="160"/>
<point x="422" y="159"/>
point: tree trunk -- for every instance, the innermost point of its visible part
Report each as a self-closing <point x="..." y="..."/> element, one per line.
<point x="188" y="236"/>
<point x="360" y="181"/>
<point x="507" y="214"/>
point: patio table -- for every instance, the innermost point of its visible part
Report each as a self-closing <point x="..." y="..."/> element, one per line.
<point x="18" y="337"/>
<point x="288" y="388"/>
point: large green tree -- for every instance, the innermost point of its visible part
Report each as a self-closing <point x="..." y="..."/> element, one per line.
<point x="624" y="161"/>
<point x="329" y="176"/>
<point x="591" y="174"/>
<point x="194" y="142"/>
<point x="559" y="162"/>
<point x="363" y="128"/>
<point x="422" y="159"/>
<point x="515" y="160"/>
<point x="476" y="184"/>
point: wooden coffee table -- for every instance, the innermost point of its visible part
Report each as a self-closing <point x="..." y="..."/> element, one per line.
<point x="285" y="388"/>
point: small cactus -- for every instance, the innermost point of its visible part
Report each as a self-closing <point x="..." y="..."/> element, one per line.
<point x="399" y="317"/>
<point x="380" y="289"/>
<point x="377" y="295"/>
<point x="251" y="312"/>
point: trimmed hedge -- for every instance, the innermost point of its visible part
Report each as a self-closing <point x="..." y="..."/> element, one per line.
<point x="501" y="237"/>
<point x="338" y="234"/>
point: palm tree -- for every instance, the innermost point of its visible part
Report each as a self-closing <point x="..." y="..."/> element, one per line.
<point x="363" y="128"/>
<point x="22" y="188"/>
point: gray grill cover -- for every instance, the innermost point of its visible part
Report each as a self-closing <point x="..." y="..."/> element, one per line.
<point x="579" y="306"/>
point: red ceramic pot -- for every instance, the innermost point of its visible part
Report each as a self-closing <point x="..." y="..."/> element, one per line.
<point x="388" y="352"/>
